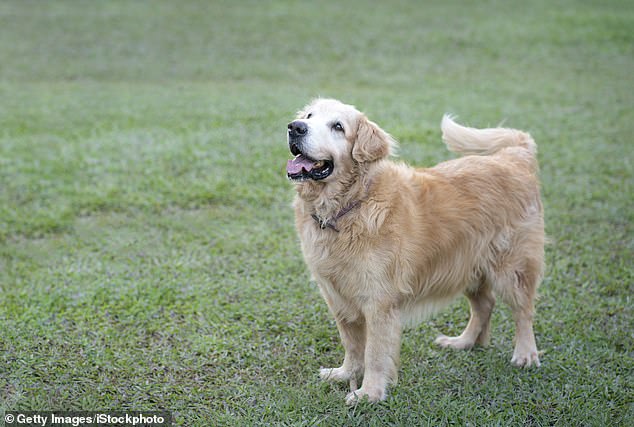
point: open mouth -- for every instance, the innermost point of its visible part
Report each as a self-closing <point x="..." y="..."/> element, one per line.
<point x="302" y="167"/>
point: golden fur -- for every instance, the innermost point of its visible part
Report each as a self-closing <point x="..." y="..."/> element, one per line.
<point x="415" y="239"/>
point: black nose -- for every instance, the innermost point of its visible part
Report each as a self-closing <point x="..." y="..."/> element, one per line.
<point x="297" y="128"/>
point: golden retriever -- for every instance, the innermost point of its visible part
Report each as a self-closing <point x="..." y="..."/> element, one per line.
<point x="389" y="245"/>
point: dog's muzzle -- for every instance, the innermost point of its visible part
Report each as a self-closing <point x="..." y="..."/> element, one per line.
<point x="303" y="167"/>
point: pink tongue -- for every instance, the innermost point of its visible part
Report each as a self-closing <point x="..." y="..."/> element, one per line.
<point x="295" y="166"/>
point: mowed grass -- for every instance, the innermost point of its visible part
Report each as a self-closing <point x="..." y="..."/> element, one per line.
<point x="148" y="257"/>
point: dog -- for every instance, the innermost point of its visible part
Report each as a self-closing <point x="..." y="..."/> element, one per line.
<point x="389" y="244"/>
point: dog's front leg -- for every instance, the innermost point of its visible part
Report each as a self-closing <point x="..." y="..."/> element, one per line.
<point x="382" y="349"/>
<point x="353" y="339"/>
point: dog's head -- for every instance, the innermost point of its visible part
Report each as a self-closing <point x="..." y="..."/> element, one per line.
<point x="329" y="138"/>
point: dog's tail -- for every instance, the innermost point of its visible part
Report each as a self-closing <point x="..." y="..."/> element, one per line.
<point x="466" y="140"/>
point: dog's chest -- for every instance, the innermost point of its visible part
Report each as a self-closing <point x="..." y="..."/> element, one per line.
<point x="343" y="261"/>
<point x="322" y="248"/>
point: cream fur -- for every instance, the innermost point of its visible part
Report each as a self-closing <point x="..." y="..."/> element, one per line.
<point x="419" y="238"/>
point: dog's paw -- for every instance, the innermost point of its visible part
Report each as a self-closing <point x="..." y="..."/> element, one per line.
<point x="459" y="343"/>
<point x="334" y="374"/>
<point x="372" y="395"/>
<point x="525" y="359"/>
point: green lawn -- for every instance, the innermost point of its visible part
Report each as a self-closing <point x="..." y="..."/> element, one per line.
<point x="148" y="257"/>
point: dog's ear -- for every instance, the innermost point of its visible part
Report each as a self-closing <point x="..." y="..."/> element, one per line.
<point x="372" y="143"/>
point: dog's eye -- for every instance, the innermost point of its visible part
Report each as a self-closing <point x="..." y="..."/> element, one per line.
<point x="338" y="127"/>
<point x="309" y="115"/>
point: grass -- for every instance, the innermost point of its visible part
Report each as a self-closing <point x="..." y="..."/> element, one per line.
<point x="148" y="258"/>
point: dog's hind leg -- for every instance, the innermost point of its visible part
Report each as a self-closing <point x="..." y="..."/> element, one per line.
<point x="481" y="301"/>
<point x="521" y="302"/>
<point x="516" y="283"/>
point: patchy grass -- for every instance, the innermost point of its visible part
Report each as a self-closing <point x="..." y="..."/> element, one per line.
<point x="148" y="258"/>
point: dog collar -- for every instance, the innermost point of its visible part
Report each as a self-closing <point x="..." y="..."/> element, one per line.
<point x="332" y="223"/>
